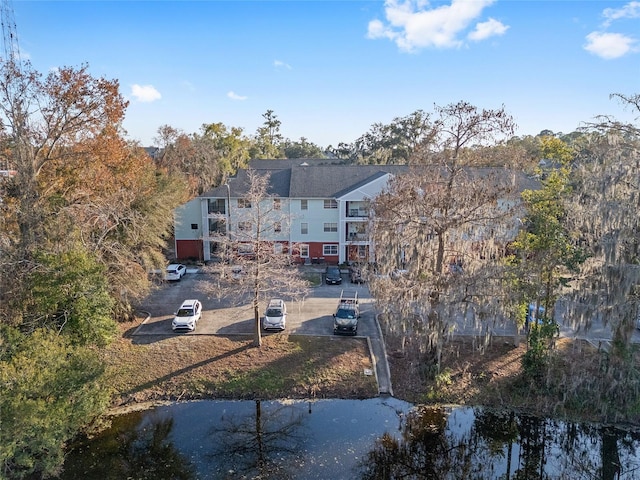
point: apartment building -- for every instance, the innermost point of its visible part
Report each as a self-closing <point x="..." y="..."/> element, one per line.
<point x="324" y="202"/>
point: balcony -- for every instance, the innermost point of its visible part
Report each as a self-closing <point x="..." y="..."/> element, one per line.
<point x="357" y="213"/>
<point x="217" y="207"/>
<point x="357" y="237"/>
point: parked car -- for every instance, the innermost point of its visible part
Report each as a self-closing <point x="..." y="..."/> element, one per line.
<point x="355" y="275"/>
<point x="332" y="275"/>
<point x="237" y="272"/>
<point x="175" y="272"/>
<point x="187" y="315"/>
<point x="345" y="320"/>
<point x="275" y="316"/>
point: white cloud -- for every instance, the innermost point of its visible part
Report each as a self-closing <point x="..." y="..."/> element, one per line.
<point x="488" y="29"/>
<point x="630" y="10"/>
<point x="145" y="93"/>
<point x="234" y="96"/>
<point x="412" y="25"/>
<point x="609" y="45"/>
<point x="281" y="64"/>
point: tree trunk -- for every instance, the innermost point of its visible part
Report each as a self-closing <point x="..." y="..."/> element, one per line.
<point x="257" y="339"/>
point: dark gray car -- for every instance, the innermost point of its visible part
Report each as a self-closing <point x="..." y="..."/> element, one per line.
<point x="332" y="276"/>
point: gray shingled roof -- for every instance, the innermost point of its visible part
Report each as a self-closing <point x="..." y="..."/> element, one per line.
<point x="332" y="181"/>
<point x="324" y="178"/>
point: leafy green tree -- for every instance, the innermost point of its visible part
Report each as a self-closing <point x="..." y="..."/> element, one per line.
<point x="394" y="143"/>
<point x="343" y="151"/>
<point x="545" y="255"/>
<point x="302" y="149"/>
<point x="83" y="221"/>
<point x="268" y="139"/>
<point x="69" y="294"/>
<point x="50" y="391"/>
<point x="231" y="145"/>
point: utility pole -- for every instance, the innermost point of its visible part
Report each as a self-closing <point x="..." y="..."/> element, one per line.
<point x="9" y="33"/>
<point x="15" y="82"/>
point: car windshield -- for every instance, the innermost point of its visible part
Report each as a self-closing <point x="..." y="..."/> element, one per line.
<point x="274" y="312"/>
<point x="346" y="313"/>
<point x="333" y="271"/>
<point x="185" y="312"/>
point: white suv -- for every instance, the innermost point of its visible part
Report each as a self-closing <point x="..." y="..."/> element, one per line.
<point x="175" y="272"/>
<point x="275" y="317"/>
<point x="187" y="315"/>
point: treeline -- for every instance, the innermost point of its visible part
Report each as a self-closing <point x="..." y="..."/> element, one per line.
<point x="207" y="157"/>
<point x="84" y="219"/>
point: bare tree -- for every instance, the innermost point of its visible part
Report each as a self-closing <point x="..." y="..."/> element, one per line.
<point x="256" y="262"/>
<point x="441" y="230"/>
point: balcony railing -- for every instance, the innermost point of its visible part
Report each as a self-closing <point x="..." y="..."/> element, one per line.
<point x="357" y="237"/>
<point x="357" y="213"/>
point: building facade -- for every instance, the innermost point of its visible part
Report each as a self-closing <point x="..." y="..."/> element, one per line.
<point x="325" y="206"/>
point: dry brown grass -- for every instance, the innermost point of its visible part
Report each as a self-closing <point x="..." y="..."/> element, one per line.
<point x="185" y="367"/>
<point x="576" y="385"/>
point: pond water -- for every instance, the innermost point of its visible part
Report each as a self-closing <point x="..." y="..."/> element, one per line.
<point x="349" y="439"/>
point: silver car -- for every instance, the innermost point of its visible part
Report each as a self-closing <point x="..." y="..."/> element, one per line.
<point x="275" y="317"/>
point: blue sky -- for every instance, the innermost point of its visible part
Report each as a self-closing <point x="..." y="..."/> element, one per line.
<point x="331" y="69"/>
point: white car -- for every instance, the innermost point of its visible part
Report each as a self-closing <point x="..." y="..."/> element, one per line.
<point x="187" y="315"/>
<point x="175" y="272"/>
<point x="275" y="317"/>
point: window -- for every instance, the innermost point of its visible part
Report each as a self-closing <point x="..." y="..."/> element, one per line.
<point x="244" y="203"/>
<point x="278" y="248"/>
<point x="304" y="228"/>
<point x="330" y="204"/>
<point x="304" y="204"/>
<point x="304" y="251"/>
<point x="277" y="227"/>
<point x="276" y="204"/>
<point x="244" y="226"/>
<point x="329" y="250"/>
<point x="217" y="205"/>
<point x="245" y="248"/>
<point x="330" y="227"/>
<point x="194" y="226"/>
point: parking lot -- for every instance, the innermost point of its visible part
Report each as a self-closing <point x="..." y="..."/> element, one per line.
<point x="312" y="316"/>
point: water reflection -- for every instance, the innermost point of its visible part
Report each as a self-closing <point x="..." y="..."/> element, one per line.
<point x="466" y="443"/>
<point x="265" y="445"/>
<point x="368" y="439"/>
<point x="138" y="446"/>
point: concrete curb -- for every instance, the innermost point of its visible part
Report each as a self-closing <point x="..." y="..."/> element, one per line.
<point x="383" y="363"/>
<point x="148" y="316"/>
